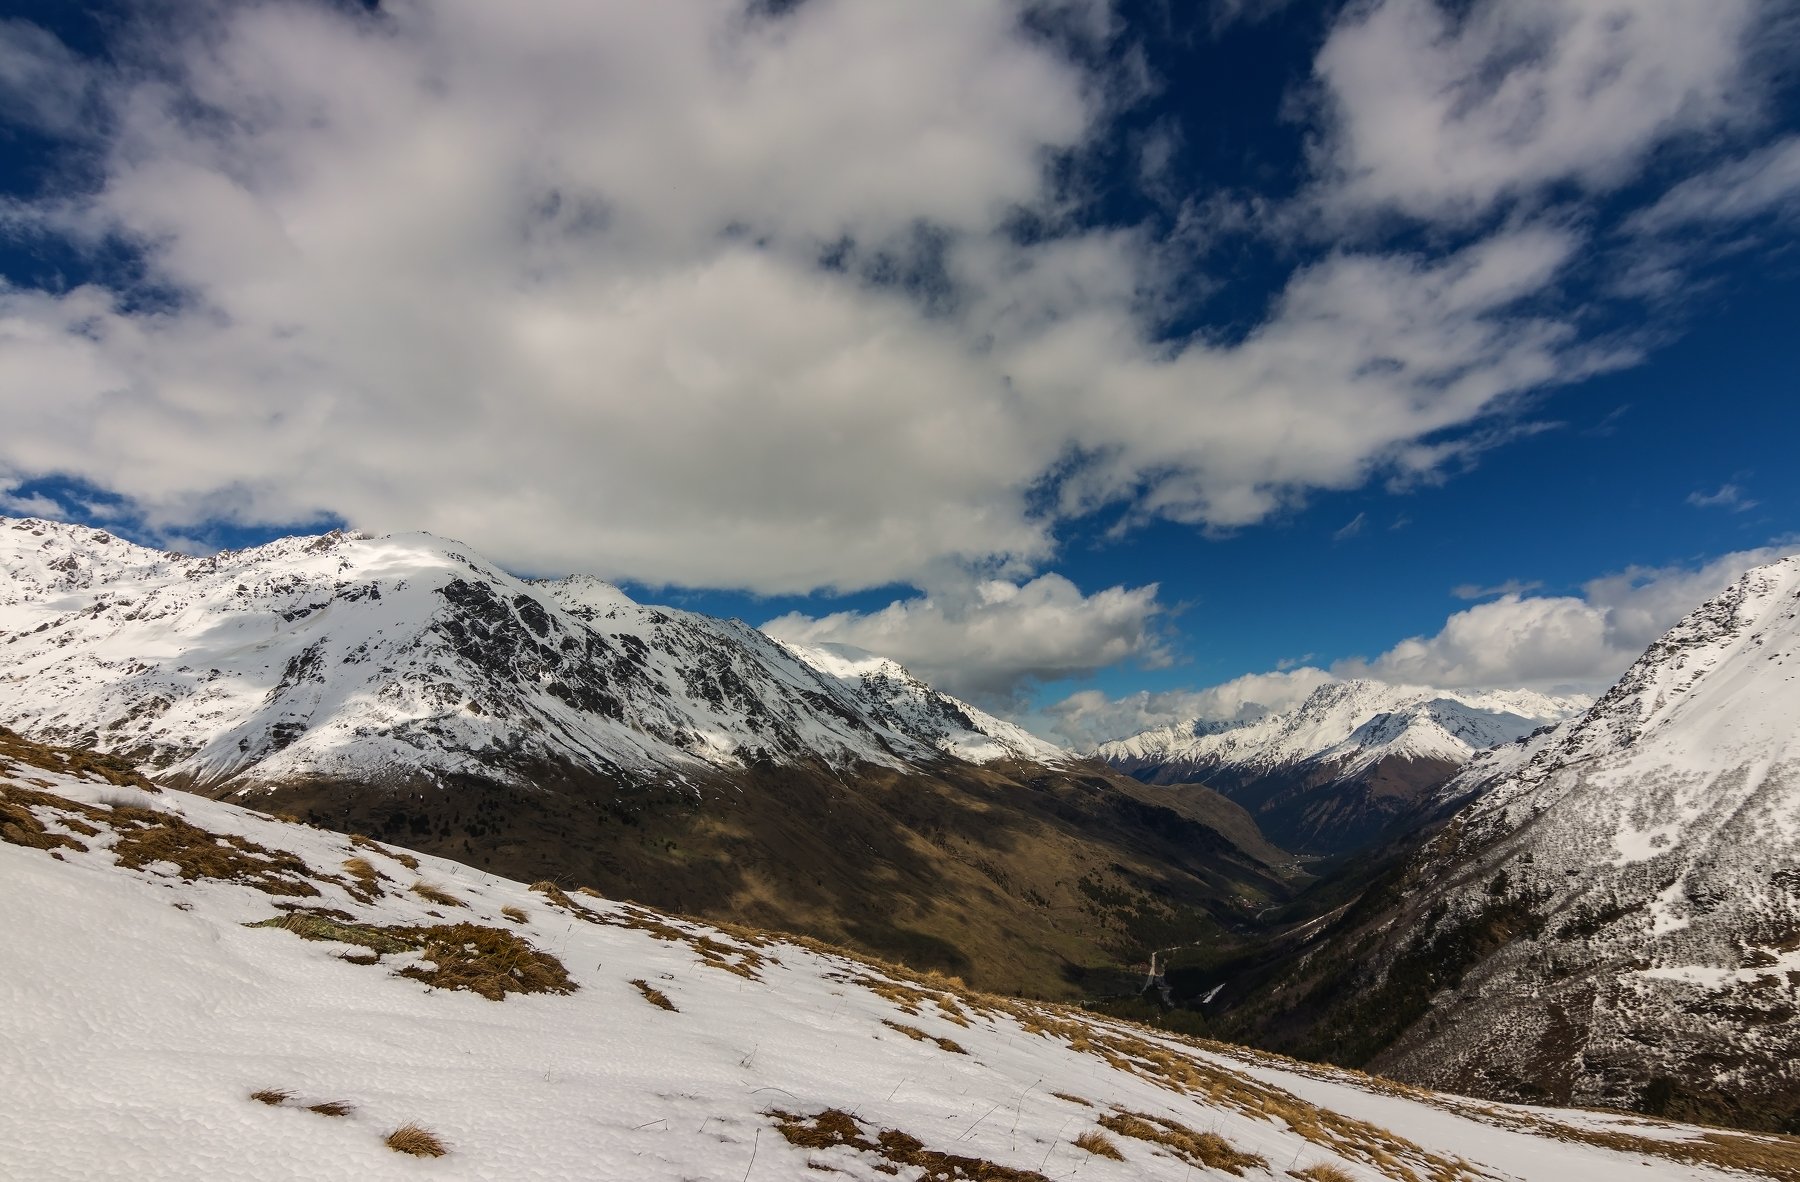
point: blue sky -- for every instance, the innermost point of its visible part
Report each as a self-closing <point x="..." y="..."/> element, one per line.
<point x="1106" y="363"/>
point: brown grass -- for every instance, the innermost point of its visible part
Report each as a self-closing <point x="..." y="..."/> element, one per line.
<point x="148" y="836"/>
<point x="368" y="843"/>
<point x="272" y="1096"/>
<point x="332" y="1108"/>
<point x="416" y="1140"/>
<point x="1323" y="1173"/>
<point x="1099" y="1144"/>
<point x="917" y="1035"/>
<point x="88" y="765"/>
<point x="1073" y="1099"/>
<point x="1197" y="1149"/>
<point x="655" y="997"/>
<point x="20" y="826"/>
<point x="835" y="1127"/>
<point x="438" y="895"/>
<point x="490" y="961"/>
<point x="516" y="914"/>
<point x="368" y="879"/>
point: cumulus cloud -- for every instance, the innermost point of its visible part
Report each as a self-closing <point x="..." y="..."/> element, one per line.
<point x="1089" y="717"/>
<point x="1580" y="642"/>
<point x="1441" y="111"/>
<point x="986" y="639"/>
<point x="716" y="295"/>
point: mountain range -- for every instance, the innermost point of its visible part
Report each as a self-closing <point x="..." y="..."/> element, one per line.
<point x="1356" y="762"/>
<point x="1613" y="917"/>
<point x="404" y="687"/>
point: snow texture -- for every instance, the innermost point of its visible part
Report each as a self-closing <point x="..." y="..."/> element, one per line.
<point x="138" y="1014"/>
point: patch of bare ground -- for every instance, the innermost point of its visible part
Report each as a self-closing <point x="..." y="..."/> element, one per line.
<point x="1099" y="1144"/>
<point x="20" y="826"/>
<point x="917" y="1035"/>
<point x="655" y="996"/>
<point x="834" y="1128"/>
<point x="89" y="765"/>
<point x="490" y="961"/>
<point x="1196" y="1149"/>
<point x="149" y="836"/>
<point x="416" y="1140"/>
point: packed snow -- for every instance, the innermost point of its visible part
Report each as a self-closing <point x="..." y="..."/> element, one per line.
<point x="160" y="1026"/>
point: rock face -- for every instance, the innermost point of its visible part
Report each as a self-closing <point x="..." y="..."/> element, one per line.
<point x="1615" y="918"/>
<point x="1352" y="764"/>
<point x="404" y="688"/>
<point x="391" y="659"/>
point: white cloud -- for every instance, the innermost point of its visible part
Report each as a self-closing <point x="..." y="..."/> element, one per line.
<point x="1729" y="496"/>
<point x="1088" y="717"/>
<point x="1509" y="587"/>
<point x="984" y="640"/>
<point x="690" y="295"/>
<point x="1547" y="642"/>
<point x="1765" y="181"/>
<point x="546" y="280"/>
<point x="1441" y="111"/>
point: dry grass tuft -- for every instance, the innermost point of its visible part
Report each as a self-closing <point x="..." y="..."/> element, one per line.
<point x="272" y="1096"/>
<point x="490" y="961"/>
<point x="20" y="826"/>
<point x="1073" y="1099"/>
<point x="917" y="1035"/>
<point x="438" y="895"/>
<point x="1198" y="1149"/>
<point x="1323" y="1173"/>
<point x="1099" y="1144"/>
<point x="364" y="842"/>
<point x="416" y="1140"/>
<point x="654" y="996"/>
<point x="368" y="879"/>
<point x="516" y="914"/>
<point x="89" y="765"/>
<point x="332" y="1108"/>
<point x="835" y="1127"/>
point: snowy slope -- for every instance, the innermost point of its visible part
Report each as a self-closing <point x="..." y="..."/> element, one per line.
<point x="144" y="1003"/>
<point x="1351" y="725"/>
<point x="402" y="657"/>
<point x="1619" y="907"/>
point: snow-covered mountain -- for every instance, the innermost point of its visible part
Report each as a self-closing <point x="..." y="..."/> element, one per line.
<point x="405" y="657"/>
<point x="1615" y="917"/>
<point x="192" y="988"/>
<point x="1345" y="764"/>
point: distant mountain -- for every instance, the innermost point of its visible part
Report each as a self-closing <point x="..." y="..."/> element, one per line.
<point x="1614" y="918"/>
<point x="1345" y="767"/>
<point x="392" y="659"/>
<point x="405" y="688"/>
<point x="187" y="981"/>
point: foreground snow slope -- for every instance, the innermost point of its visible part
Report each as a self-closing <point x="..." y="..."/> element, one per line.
<point x="139" y="1012"/>
<point x="401" y="658"/>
